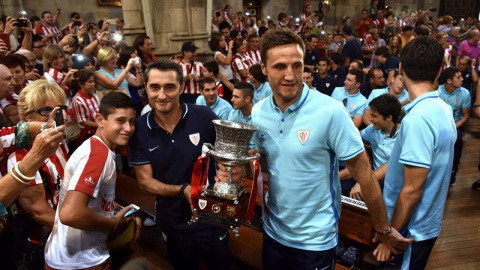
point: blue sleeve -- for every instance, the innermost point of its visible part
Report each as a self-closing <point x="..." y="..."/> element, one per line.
<point x="418" y="141"/>
<point x="336" y="94"/>
<point x="361" y="109"/>
<point x="370" y="98"/>
<point x="367" y="134"/>
<point x="344" y="138"/>
<point x="466" y="100"/>
<point x="137" y="155"/>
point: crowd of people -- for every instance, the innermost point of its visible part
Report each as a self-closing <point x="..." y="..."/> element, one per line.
<point x="79" y="104"/>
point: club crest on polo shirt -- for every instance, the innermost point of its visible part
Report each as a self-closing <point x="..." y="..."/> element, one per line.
<point x="327" y="84"/>
<point x="353" y="106"/>
<point x="194" y="138"/>
<point x="302" y="135"/>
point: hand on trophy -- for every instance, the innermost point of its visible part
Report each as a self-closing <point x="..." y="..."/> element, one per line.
<point x="222" y="174"/>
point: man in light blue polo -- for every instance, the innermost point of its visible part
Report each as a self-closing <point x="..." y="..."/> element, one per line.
<point x="209" y="97"/>
<point x="418" y="172"/>
<point x="242" y="103"/>
<point x="459" y="99"/>
<point x="259" y="80"/>
<point x="396" y="89"/>
<point x="302" y="134"/>
<point x="351" y="97"/>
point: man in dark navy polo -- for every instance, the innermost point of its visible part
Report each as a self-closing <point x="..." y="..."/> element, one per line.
<point x="163" y="150"/>
<point x="311" y="53"/>
<point x="336" y="69"/>
<point x="322" y="81"/>
<point x="388" y="63"/>
<point x="352" y="49"/>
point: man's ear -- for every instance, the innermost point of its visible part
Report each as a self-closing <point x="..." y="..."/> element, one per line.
<point x="264" y="69"/>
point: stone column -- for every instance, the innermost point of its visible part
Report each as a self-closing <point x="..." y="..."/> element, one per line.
<point x="133" y="19"/>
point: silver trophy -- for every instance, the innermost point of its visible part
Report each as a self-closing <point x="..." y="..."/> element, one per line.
<point x="226" y="203"/>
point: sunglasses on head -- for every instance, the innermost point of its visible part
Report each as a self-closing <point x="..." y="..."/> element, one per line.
<point x="45" y="111"/>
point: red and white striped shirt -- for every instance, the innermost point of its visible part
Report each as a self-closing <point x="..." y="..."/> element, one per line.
<point x="47" y="30"/>
<point x="9" y="100"/>
<point x="219" y="86"/>
<point x="304" y="25"/>
<point x="85" y="107"/>
<point x="192" y="86"/>
<point x="241" y="62"/>
<point x="254" y="56"/>
<point x="7" y="135"/>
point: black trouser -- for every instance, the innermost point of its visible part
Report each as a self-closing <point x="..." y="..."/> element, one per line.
<point x="186" y="243"/>
<point x="457" y="150"/>
<point x="276" y="256"/>
<point x="415" y="256"/>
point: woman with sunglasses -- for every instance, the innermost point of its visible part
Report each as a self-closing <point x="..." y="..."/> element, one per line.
<point x="38" y="201"/>
<point x="53" y="60"/>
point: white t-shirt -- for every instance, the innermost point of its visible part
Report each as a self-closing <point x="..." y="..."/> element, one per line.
<point x="91" y="170"/>
<point x="225" y="70"/>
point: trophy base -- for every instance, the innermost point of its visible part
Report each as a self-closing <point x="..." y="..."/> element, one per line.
<point x="222" y="212"/>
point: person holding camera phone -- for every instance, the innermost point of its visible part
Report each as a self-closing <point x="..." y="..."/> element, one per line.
<point x="48" y="28"/>
<point x="85" y="213"/>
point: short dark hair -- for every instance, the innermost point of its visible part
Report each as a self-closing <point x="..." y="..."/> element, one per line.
<point x="246" y="88"/>
<point x="204" y="81"/>
<point x="278" y="37"/>
<point x="422" y="30"/>
<point x="36" y="38"/>
<point x="422" y="59"/>
<point x="212" y="66"/>
<point x="336" y="57"/>
<point x="262" y="30"/>
<point x="371" y="72"/>
<point x="74" y="14"/>
<point x="281" y="16"/>
<point x="224" y="25"/>
<point x="163" y="65"/>
<point x="257" y="73"/>
<point x="14" y="60"/>
<point x="252" y="36"/>
<point x="115" y="100"/>
<point x="359" y="75"/>
<point x="307" y="70"/>
<point x="449" y="73"/>
<point x="347" y="30"/>
<point x="324" y="59"/>
<point x="359" y="63"/>
<point x="383" y="51"/>
<point x="386" y="105"/>
<point x="311" y="36"/>
<point x="45" y="12"/>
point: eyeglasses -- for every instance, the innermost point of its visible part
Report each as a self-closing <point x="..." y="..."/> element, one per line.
<point x="45" y="111"/>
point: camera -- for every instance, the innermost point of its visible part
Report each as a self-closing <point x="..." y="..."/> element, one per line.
<point x="21" y="23"/>
<point x="77" y="23"/>
<point x="136" y="61"/>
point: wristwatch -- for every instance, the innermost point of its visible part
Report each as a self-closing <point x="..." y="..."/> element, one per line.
<point x="182" y="190"/>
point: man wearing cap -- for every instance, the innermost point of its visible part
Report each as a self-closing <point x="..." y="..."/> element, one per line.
<point x="407" y="35"/>
<point x="192" y="71"/>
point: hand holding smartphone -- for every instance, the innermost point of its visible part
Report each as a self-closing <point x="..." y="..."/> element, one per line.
<point x="134" y="209"/>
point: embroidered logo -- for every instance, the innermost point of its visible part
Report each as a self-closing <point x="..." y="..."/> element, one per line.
<point x="195" y="138"/>
<point x="327" y="84"/>
<point x="89" y="181"/>
<point x="151" y="149"/>
<point x="202" y="204"/>
<point x="353" y="106"/>
<point x="302" y="135"/>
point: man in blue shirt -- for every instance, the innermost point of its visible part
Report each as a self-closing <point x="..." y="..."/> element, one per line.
<point x="459" y="99"/>
<point x="352" y="49"/>
<point x="418" y="172"/>
<point x="311" y="53"/>
<point x="242" y="103"/>
<point x="302" y="134"/>
<point x="397" y="90"/>
<point x="350" y="95"/>
<point x="210" y="98"/>
<point x="375" y="80"/>
<point x="259" y="81"/>
<point x="322" y="81"/>
<point x="163" y="150"/>
<point x="388" y="63"/>
<point x="336" y="69"/>
<point x="381" y="135"/>
<point x="308" y="77"/>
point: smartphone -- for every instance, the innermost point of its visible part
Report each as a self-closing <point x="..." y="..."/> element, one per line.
<point x="59" y="118"/>
<point x="77" y="23"/>
<point x="21" y="23"/>
<point x="134" y="209"/>
<point x="112" y="28"/>
<point x="75" y="38"/>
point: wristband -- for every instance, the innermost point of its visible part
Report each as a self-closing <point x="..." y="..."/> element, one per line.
<point x="182" y="190"/>
<point x="19" y="173"/>
<point x="385" y="232"/>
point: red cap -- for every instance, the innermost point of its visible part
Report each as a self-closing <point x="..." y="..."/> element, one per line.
<point x="305" y="5"/>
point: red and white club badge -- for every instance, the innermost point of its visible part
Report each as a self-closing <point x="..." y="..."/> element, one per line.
<point x="302" y="135"/>
<point x="194" y="138"/>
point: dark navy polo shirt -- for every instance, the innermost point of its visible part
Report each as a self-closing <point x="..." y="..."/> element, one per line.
<point x="324" y="85"/>
<point x="352" y="49"/>
<point x="311" y="58"/>
<point x="340" y="74"/>
<point x="172" y="155"/>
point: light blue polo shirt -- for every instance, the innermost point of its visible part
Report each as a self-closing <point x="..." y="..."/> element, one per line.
<point x="355" y="103"/>
<point x="221" y="107"/>
<point x="382" y="144"/>
<point x="425" y="140"/>
<point x="302" y="146"/>
<point x="378" y="92"/>
<point x="458" y="100"/>
<point x="262" y="92"/>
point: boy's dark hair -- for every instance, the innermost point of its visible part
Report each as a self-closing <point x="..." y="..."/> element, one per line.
<point x="359" y="75"/>
<point x="212" y="66"/>
<point x="223" y="25"/>
<point x="422" y="30"/>
<point x="257" y="74"/>
<point x="449" y="73"/>
<point x="308" y="70"/>
<point x="336" y="58"/>
<point x="204" y="81"/>
<point x="371" y="73"/>
<point x="74" y="14"/>
<point x="324" y="59"/>
<point x="14" y="60"/>
<point x="311" y="36"/>
<point x="386" y="105"/>
<point x="36" y="38"/>
<point x="359" y="63"/>
<point x="115" y="100"/>
<point x="278" y="37"/>
<point x="383" y="51"/>
<point x="281" y="16"/>
<point x="347" y="30"/>
<point x="246" y="88"/>
<point x="163" y="65"/>
<point x="422" y="59"/>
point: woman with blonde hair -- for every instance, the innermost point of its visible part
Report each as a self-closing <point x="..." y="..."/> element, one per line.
<point x="38" y="200"/>
<point x="110" y="78"/>
<point x="53" y="60"/>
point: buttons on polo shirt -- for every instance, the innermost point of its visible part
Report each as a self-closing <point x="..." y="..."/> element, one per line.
<point x="281" y="131"/>
<point x="283" y="119"/>
<point x="173" y="141"/>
